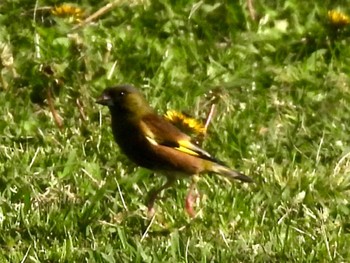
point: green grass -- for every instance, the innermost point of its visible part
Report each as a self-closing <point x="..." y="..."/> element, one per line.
<point x="69" y="195"/>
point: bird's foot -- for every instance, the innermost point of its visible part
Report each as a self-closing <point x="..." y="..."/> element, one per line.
<point x="151" y="212"/>
<point x="189" y="201"/>
<point x="152" y="196"/>
<point x="191" y="198"/>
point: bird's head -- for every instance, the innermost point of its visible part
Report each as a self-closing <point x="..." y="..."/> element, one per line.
<point x="125" y="100"/>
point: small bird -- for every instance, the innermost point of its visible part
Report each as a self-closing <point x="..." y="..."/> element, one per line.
<point x="152" y="142"/>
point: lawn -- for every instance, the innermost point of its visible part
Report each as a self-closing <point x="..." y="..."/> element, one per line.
<point x="282" y="73"/>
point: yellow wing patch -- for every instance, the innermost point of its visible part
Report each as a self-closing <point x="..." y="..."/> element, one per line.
<point x="182" y="145"/>
<point x="186" y="150"/>
<point x="147" y="131"/>
<point x="190" y="148"/>
<point x="151" y="140"/>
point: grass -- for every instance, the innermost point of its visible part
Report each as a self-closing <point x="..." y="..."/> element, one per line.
<point x="67" y="194"/>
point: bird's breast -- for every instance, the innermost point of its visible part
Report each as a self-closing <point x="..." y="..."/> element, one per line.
<point x="134" y="144"/>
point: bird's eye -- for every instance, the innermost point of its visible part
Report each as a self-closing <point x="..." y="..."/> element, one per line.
<point x="122" y="93"/>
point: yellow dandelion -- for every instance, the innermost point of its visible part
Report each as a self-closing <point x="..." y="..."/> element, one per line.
<point x="185" y="123"/>
<point x="338" y="18"/>
<point x="67" y="10"/>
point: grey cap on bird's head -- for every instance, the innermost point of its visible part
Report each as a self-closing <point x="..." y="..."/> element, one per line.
<point x="110" y="93"/>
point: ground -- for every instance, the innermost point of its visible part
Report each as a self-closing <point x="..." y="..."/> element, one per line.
<point x="67" y="194"/>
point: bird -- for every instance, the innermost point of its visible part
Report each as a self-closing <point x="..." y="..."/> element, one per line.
<point x="151" y="141"/>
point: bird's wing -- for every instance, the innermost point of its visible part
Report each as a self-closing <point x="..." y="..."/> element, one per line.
<point x="159" y="131"/>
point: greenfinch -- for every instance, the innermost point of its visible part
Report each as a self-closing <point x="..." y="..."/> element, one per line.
<point x="152" y="142"/>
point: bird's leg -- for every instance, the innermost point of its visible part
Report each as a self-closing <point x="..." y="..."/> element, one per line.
<point x="191" y="197"/>
<point x="153" y="194"/>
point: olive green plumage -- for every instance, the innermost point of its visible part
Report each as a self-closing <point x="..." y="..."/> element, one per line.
<point x="152" y="142"/>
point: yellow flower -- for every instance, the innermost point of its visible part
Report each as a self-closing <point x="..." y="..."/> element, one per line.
<point x="67" y="10"/>
<point x="185" y="123"/>
<point x="338" y="18"/>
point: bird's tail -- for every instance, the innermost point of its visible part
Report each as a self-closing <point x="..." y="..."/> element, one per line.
<point x="230" y="174"/>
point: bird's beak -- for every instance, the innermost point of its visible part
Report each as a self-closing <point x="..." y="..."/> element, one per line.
<point x="104" y="100"/>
